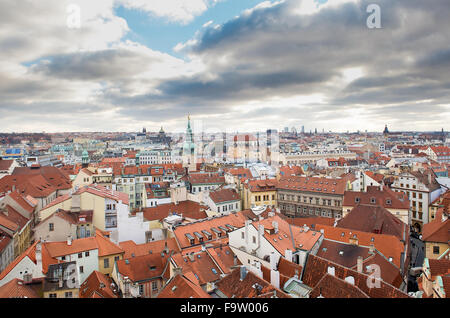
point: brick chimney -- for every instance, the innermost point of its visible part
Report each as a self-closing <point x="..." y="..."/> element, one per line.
<point x="359" y="264"/>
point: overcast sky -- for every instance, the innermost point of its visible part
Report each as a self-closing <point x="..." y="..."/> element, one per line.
<point x="232" y="65"/>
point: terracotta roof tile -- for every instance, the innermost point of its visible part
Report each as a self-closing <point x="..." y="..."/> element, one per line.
<point x="97" y="285"/>
<point x="181" y="287"/>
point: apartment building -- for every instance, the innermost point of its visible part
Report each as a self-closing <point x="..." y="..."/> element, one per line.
<point x="422" y="189"/>
<point x="311" y="196"/>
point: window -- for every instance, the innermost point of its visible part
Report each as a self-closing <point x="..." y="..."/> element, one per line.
<point x="86" y="254"/>
<point x="106" y="263"/>
<point x="254" y="239"/>
<point x="154" y="286"/>
<point x="80" y="255"/>
<point x="68" y="294"/>
<point x="52" y="296"/>
<point x="242" y="235"/>
<point x="116" y="258"/>
<point x="81" y="269"/>
<point x="141" y="289"/>
<point x="435" y="249"/>
<point x="51" y="227"/>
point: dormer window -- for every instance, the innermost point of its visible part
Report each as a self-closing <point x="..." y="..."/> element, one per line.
<point x="357" y="200"/>
<point x="388" y="202"/>
<point x="373" y="200"/>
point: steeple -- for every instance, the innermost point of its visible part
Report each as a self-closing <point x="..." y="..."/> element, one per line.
<point x="85" y="159"/>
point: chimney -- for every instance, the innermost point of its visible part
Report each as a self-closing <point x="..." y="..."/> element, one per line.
<point x="359" y="264"/>
<point x="243" y="272"/>
<point x="350" y="280"/>
<point x="288" y="255"/>
<point x="275" y="278"/>
<point x="273" y="261"/>
<point x="69" y="240"/>
<point x="275" y="226"/>
<point x="177" y="271"/>
<point x="371" y="249"/>
<point x="247" y="223"/>
<point x="331" y="270"/>
<point x="38" y="256"/>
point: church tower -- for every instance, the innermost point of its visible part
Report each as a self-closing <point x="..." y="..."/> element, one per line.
<point x="85" y="159"/>
<point x="189" y="149"/>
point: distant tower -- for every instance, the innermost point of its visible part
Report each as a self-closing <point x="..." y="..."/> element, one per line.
<point x="225" y="149"/>
<point x="189" y="147"/>
<point x="144" y="130"/>
<point x="137" y="159"/>
<point x="85" y="159"/>
<point x="386" y="131"/>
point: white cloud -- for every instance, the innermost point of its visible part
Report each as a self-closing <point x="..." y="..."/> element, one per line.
<point x="181" y="11"/>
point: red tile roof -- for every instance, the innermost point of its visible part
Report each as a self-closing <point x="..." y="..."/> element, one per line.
<point x="97" y="285"/>
<point x="16" y="288"/>
<point x="30" y="253"/>
<point x="182" y="287"/>
<point x="374" y="219"/>
<point x="189" y="209"/>
<point x="232" y="286"/>
<point x="283" y="240"/>
<point x="236" y="220"/>
<point x="145" y="267"/>
<point x="5" y="164"/>
<point x="437" y="230"/>
<point x="330" y="286"/>
<point x="200" y="264"/>
<point x="386" y="198"/>
<point x="317" y="267"/>
<point x="224" y="195"/>
<point x="261" y="185"/>
<point x="388" y="245"/>
<point x="313" y="184"/>
<point x="205" y="178"/>
<point x="132" y="249"/>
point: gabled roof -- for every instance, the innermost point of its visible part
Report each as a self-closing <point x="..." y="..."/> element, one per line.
<point x="132" y="249"/>
<point x="104" y="193"/>
<point x="313" y="184"/>
<point x="5" y="164"/>
<point x="97" y="285"/>
<point x="200" y="264"/>
<point x="106" y="246"/>
<point x="224" y="195"/>
<point x="232" y="286"/>
<point x="205" y="178"/>
<point x="30" y="252"/>
<point x="261" y="185"/>
<point x="388" y="245"/>
<point x="189" y="209"/>
<point x="236" y="220"/>
<point x="437" y="230"/>
<point x="316" y="267"/>
<point x="145" y="267"/>
<point x="180" y="286"/>
<point x="386" y="198"/>
<point x="283" y="240"/>
<point x="16" y="288"/>
<point x="374" y="219"/>
<point x="27" y="204"/>
<point x="330" y="286"/>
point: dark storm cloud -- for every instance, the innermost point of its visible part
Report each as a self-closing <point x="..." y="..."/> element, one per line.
<point x="108" y="65"/>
